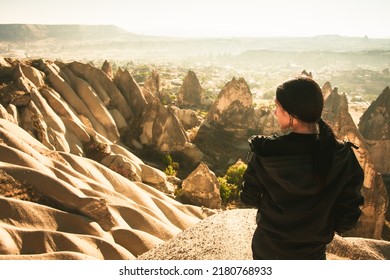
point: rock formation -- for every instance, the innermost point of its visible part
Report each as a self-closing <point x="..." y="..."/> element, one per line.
<point x="107" y="68"/>
<point x="59" y="205"/>
<point x="304" y="73"/>
<point x="374" y="125"/>
<point x="375" y="122"/>
<point x="201" y="188"/>
<point x="230" y="121"/>
<point x="191" y="92"/>
<point x="61" y="150"/>
<point x="154" y="124"/>
<point x="233" y="111"/>
<point x="374" y="192"/>
<point x="161" y="128"/>
<point x="233" y="108"/>
<point x="187" y="117"/>
<point x="154" y="84"/>
<point x="60" y="114"/>
<point x="326" y="90"/>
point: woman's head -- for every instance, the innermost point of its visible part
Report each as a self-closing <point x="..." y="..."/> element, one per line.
<point x="301" y="98"/>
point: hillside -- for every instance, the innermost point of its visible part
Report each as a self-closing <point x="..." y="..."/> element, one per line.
<point x="35" y="32"/>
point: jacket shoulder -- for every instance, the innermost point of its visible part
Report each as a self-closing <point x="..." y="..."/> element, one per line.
<point x="258" y="142"/>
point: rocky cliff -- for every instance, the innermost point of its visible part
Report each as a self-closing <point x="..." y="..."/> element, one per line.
<point x="374" y="191"/>
<point x="69" y="187"/>
<point x="374" y="125"/>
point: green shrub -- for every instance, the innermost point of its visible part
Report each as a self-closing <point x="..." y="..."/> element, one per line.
<point x="167" y="159"/>
<point x="170" y="171"/>
<point x="235" y="172"/>
<point x="230" y="184"/>
<point x="225" y="189"/>
<point x="171" y="167"/>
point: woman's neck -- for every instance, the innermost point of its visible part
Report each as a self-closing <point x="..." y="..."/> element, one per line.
<point x="304" y="127"/>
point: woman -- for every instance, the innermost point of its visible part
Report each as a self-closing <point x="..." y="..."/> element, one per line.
<point x="306" y="184"/>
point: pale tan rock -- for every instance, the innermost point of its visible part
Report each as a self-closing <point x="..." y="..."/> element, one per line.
<point x="227" y="235"/>
<point x="33" y="122"/>
<point x="13" y="111"/>
<point x="187" y="117"/>
<point x="156" y="178"/>
<point x="123" y="166"/>
<point x="34" y="75"/>
<point x="375" y="122"/>
<point x="375" y="197"/>
<point x="374" y="125"/>
<point x="153" y="83"/>
<point x="131" y="91"/>
<point x="5" y="115"/>
<point x="107" y="68"/>
<point x="190" y="92"/>
<point x="70" y="96"/>
<point x="160" y="128"/>
<point x="77" y="205"/>
<point x="90" y="97"/>
<point x="233" y="108"/>
<point x="56" y="129"/>
<point x="120" y="121"/>
<point x="326" y="89"/>
<point x="104" y="87"/>
<point x="201" y="188"/>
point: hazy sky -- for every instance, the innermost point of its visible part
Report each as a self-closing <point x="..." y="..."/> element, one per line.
<point x="206" y="18"/>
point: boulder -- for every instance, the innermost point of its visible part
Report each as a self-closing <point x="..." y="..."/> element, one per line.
<point x="156" y="178"/>
<point x="201" y="188"/>
<point x="123" y="166"/>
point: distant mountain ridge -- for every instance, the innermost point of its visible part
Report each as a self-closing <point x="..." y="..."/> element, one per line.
<point x="89" y="42"/>
<point x="31" y="32"/>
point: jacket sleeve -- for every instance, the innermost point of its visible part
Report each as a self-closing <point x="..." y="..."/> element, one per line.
<point x="252" y="188"/>
<point x="347" y="206"/>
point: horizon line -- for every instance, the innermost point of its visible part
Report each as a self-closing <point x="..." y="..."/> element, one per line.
<point x="203" y="36"/>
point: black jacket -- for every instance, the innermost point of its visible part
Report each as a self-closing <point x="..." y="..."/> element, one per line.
<point x="293" y="207"/>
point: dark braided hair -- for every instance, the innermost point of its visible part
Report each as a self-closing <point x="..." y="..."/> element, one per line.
<point x="302" y="98"/>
